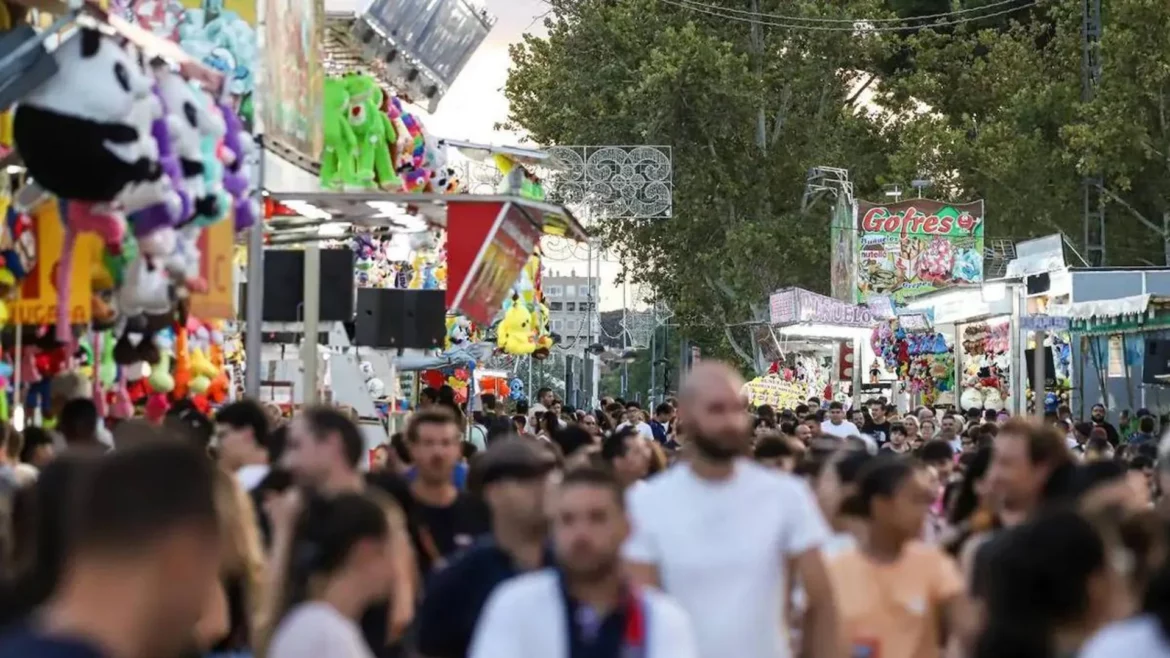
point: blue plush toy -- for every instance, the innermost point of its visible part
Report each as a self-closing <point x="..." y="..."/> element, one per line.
<point x="516" y="392"/>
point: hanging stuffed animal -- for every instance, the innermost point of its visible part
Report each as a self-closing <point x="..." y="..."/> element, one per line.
<point x="373" y="132"/>
<point x="337" y="159"/>
<point x="85" y="136"/>
<point x="75" y="131"/>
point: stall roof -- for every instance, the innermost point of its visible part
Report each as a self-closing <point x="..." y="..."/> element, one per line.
<point x="343" y="211"/>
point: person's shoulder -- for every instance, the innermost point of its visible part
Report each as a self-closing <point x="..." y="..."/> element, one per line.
<point x="536" y="589"/>
<point x="24" y="642"/>
<point x="749" y="472"/>
<point x="665" y="612"/>
<point x="920" y="552"/>
<point x="391" y="484"/>
<point x="1140" y="636"/>
<point x="473" y="560"/>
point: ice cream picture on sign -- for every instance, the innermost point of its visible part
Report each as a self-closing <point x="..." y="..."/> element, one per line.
<point x="917" y="246"/>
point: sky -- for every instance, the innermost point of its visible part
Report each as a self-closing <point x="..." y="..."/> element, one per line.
<point x="476" y="103"/>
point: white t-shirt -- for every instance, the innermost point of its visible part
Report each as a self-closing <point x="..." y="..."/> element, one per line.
<point x="525" y="618"/>
<point x="720" y="549"/>
<point x="318" y="630"/>
<point x="1138" y="636"/>
<point x="252" y="475"/>
<point x="845" y="430"/>
<point x="643" y="429"/>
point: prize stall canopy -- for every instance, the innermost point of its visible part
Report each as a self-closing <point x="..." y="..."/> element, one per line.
<point x="810" y="343"/>
<point x="1125" y="339"/>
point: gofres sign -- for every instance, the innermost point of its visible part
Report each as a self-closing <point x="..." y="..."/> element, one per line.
<point x="917" y="246"/>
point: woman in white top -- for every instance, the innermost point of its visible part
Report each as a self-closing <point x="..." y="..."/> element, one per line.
<point x="337" y="568"/>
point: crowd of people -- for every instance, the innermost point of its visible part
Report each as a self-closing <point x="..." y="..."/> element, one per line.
<point x="700" y="528"/>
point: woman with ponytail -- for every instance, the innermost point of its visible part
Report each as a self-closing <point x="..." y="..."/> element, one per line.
<point x="337" y="567"/>
<point x="1050" y="584"/>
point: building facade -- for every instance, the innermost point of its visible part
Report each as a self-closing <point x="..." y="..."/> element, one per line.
<point x="572" y="308"/>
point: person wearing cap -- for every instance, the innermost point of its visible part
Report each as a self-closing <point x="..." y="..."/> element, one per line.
<point x="512" y="476"/>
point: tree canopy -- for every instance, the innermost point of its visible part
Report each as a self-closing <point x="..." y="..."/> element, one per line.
<point x="989" y="108"/>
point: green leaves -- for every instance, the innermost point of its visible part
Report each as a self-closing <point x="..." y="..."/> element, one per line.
<point x="989" y="109"/>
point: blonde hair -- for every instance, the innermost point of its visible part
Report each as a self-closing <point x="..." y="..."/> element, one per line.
<point x="243" y="555"/>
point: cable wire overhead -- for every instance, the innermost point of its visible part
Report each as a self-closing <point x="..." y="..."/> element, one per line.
<point x="851" y="26"/>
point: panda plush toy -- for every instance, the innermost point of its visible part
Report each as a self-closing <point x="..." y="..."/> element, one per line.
<point x="77" y="131"/>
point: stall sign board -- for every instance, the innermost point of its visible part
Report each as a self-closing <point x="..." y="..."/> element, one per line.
<point x="488" y="245"/>
<point x="782" y="307"/>
<point x="37" y="304"/>
<point x="917" y="246"/>
<point x="795" y="305"/>
<point x="1044" y="323"/>
<point x="775" y="391"/>
<point x="216" y="243"/>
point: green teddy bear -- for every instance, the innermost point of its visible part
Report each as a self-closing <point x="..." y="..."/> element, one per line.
<point x="337" y="159"/>
<point x="374" y="132"/>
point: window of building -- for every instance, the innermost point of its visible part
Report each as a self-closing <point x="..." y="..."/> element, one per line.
<point x="554" y="291"/>
<point x="554" y="306"/>
<point x="556" y="325"/>
<point x="583" y="291"/>
<point x="570" y="306"/>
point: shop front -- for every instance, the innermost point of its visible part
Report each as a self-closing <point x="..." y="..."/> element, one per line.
<point x="979" y="326"/>
<point x="810" y="346"/>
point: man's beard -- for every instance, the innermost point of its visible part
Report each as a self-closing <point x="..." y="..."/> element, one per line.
<point x="592" y="573"/>
<point x="713" y="449"/>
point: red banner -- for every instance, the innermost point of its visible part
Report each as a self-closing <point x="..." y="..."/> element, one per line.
<point x="488" y="244"/>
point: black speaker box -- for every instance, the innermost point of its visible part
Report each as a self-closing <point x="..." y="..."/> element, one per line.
<point x="402" y="319"/>
<point x="1157" y="361"/>
<point x="284" y="285"/>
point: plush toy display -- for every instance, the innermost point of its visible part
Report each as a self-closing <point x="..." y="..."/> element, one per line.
<point x="373" y="132"/>
<point x="75" y="131"/>
<point x="337" y="159"/>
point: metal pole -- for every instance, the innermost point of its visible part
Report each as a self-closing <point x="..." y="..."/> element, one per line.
<point x="1038" y="375"/>
<point x="587" y="373"/>
<point x="625" y="339"/>
<point x="653" y="357"/>
<point x="312" y="306"/>
<point x="254" y="311"/>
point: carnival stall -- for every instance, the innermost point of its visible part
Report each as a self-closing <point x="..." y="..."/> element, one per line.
<point x="811" y="345"/>
<point x="120" y="272"/>
<point x="980" y="324"/>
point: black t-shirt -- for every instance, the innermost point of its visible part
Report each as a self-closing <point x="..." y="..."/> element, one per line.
<point x="456" y="595"/>
<point x="439" y="532"/>
<point x="879" y="431"/>
<point x="1110" y="431"/>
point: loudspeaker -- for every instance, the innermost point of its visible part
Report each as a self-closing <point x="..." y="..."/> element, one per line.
<point x="1157" y="361"/>
<point x="1049" y="367"/>
<point x="391" y="318"/>
<point x="284" y="285"/>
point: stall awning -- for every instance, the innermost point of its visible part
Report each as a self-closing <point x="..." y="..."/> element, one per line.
<point x="1133" y="314"/>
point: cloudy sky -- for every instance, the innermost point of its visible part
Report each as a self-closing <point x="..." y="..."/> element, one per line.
<point x="476" y="103"/>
